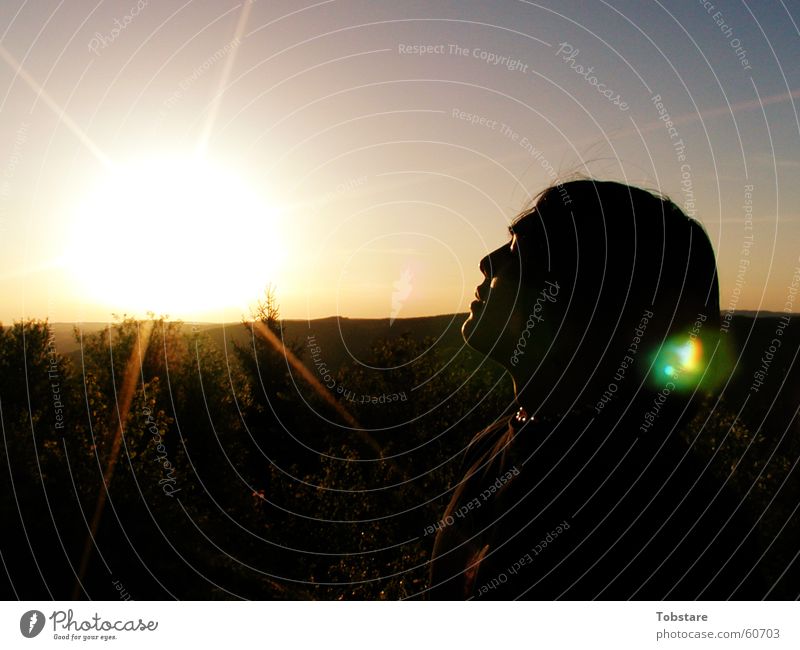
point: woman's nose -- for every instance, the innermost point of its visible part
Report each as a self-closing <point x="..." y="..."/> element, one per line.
<point x="490" y="264"/>
<point x="485" y="266"/>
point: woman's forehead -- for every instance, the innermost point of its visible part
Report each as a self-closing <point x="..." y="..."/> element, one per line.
<point x="530" y="224"/>
<point x="532" y="230"/>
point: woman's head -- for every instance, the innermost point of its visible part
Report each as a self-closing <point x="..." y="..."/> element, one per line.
<point x="582" y="269"/>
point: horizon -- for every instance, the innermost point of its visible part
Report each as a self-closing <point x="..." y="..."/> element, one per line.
<point x="739" y="312"/>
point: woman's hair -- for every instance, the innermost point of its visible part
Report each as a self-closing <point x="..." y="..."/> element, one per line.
<point x="625" y="247"/>
<point x="623" y="256"/>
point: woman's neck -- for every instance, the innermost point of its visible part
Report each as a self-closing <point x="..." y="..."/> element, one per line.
<point x="539" y="395"/>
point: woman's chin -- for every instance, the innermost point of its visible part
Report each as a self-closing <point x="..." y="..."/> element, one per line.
<point x="467" y="327"/>
<point x="472" y="333"/>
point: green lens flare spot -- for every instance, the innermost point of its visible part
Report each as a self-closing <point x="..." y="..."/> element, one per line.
<point x="681" y="360"/>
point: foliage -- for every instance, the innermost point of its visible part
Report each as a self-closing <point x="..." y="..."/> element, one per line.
<point x="237" y="476"/>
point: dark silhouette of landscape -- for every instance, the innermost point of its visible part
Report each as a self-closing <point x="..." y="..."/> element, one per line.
<point x="235" y="478"/>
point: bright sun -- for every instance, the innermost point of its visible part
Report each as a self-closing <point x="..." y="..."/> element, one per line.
<point x="177" y="236"/>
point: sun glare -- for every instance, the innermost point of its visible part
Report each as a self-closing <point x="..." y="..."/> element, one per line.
<point x="177" y="236"/>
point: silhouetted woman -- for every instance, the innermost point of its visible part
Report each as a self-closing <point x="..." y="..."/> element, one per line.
<point x="604" y="307"/>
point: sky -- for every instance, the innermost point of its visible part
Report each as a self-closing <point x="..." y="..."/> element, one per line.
<point x="361" y="157"/>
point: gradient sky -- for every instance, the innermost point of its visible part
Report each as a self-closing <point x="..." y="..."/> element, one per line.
<point x="207" y="148"/>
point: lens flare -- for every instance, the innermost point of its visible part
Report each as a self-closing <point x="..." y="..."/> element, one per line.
<point x="682" y="361"/>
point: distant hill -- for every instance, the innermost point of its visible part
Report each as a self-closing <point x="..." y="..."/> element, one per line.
<point x="342" y="339"/>
<point x="67" y="344"/>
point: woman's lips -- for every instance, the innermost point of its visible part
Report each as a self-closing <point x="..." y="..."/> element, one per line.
<point x="479" y="302"/>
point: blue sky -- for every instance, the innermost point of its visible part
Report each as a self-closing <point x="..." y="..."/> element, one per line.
<point x="369" y="164"/>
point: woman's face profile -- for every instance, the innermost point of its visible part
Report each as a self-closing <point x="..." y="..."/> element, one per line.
<point x="494" y="314"/>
